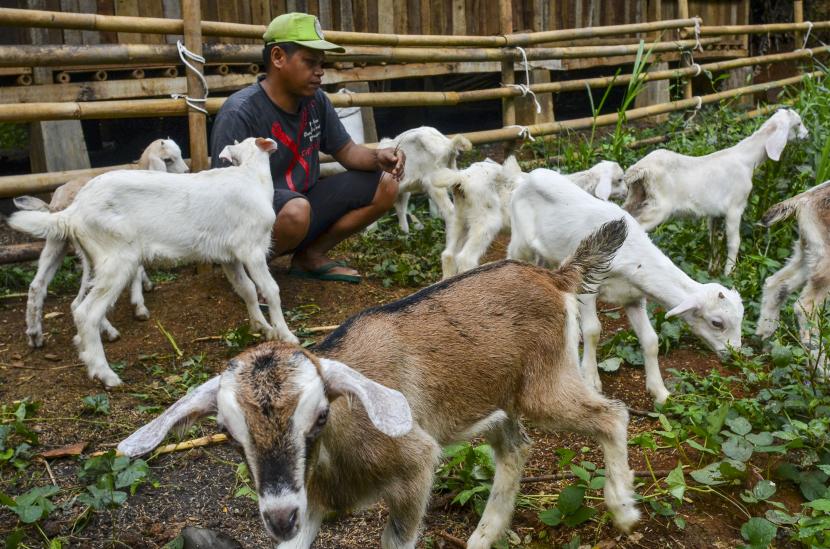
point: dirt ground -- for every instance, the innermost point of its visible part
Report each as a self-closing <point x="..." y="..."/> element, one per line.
<point x="197" y="487"/>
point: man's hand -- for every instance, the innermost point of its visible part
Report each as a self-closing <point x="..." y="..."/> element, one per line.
<point x="392" y="161"/>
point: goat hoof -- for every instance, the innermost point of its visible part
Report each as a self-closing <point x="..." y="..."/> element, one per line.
<point x="147" y="285"/>
<point x="626" y="517"/>
<point x="110" y="379"/>
<point x="660" y="396"/>
<point x="35" y="340"/>
<point x="141" y="313"/>
<point x="112" y="334"/>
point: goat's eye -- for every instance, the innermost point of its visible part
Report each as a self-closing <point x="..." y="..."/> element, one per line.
<point x="718" y="324"/>
<point x="322" y="418"/>
<point x="168" y="161"/>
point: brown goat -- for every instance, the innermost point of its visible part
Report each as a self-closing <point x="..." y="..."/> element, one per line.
<point x="808" y="267"/>
<point x="471" y="355"/>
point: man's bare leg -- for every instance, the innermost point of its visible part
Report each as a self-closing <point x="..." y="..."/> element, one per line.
<point x="314" y="256"/>
<point x="291" y="226"/>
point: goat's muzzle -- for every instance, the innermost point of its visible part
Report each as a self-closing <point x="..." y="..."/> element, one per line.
<point x="281" y="524"/>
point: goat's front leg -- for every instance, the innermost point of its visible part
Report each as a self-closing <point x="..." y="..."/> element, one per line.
<point x="591" y="329"/>
<point x="47" y="266"/>
<point x="510" y="445"/>
<point x="733" y="240"/>
<point x="407" y="501"/>
<point x="140" y="311"/>
<point x="638" y="318"/>
<point x="777" y="287"/>
<point x="309" y="526"/>
<point x="257" y="267"/>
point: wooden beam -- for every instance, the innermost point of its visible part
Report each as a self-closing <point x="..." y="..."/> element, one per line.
<point x="196" y="121"/>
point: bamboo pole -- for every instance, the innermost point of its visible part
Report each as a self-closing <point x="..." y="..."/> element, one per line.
<point x="196" y="121"/>
<point x="683" y="12"/>
<point x="35" y="183"/>
<point x="18" y="253"/>
<point x="113" y="23"/>
<point x="721" y="30"/>
<point x="508" y="74"/>
<point x="171" y="107"/>
<point x="116" y="54"/>
<point x="798" y="17"/>
<point x="492" y="136"/>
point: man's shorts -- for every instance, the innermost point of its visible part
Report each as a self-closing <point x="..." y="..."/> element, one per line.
<point x="332" y="198"/>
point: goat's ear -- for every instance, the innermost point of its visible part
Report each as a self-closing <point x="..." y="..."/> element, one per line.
<point x="267" y="145"/>
<point x="199" y="402"/>
<point x="603" y="188"/>
<point x="155" y="163"/>
<point x="387" y="409"/>
<point x="226" y="154"/>
<point x="776" y="142"/>
<point x="691" y="303"/>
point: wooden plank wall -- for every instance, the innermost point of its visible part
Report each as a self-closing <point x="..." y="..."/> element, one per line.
<point x="470" y="17"/>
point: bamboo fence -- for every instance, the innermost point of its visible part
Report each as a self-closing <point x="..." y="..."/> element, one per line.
<point x="384" y="50"/>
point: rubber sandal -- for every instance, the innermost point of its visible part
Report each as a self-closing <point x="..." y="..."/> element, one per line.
<point x="324" y="273"/>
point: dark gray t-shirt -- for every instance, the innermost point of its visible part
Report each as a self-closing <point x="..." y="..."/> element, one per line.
<point x="295" y="165"/>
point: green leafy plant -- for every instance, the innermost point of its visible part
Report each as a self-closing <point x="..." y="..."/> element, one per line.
<point x="97" y="404"/>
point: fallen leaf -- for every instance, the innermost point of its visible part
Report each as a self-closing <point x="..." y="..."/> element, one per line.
<point x="64" y="451"/>
<point x="53" y="358"/>
<point x="53" y="314"/>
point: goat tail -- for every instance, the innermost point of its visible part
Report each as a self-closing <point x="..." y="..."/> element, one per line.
<point x="445" y="178"/>
<point x="781" y="211"/>
<point x="786" y="208"/>
<point x="582" y="271"/>
<point x="40" y="224"/>
<point x="31" y="203"/>
<point x="461" y="143"/>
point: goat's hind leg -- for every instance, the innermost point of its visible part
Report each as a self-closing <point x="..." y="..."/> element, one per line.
<point x="257" y="267"/>
<point x="47" y="266"/>
<point x="140" y="311"/>
<point x="111" y="277"/>
<point x="581" y="409"/>
<point x="777" y="287"/>
<point x="510" y="445"/>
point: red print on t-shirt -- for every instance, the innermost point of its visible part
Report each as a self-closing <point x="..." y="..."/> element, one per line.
<point x="293" y="146"/>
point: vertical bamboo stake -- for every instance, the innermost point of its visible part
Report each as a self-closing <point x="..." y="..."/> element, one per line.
<point x="508" y="105"/>
<point x="683" y="13"/>
<point x="197" y="122"/>
<point x="798" y="17"/>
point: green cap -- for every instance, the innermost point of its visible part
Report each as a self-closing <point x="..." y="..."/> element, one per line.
<point x="299" y="28"/>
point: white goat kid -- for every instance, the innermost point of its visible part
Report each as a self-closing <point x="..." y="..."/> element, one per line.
<point x="512" y="326"/>
<point x="427" y="151"/>
<point x="549" y="217"/>
<point x="162" y="155"/>
<point x="808" y="267"/>
<point x="665" y="183"/>
<point x="481" y="196"/>
<point x="125" y="218"/>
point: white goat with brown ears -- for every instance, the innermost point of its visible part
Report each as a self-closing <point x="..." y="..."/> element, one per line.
<point x="664" y="183"/>
<point x="162" y="155"/>
<point x="508" y="334"/>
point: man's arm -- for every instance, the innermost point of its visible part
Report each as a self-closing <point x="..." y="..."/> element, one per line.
<point x="359" y="157"/>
